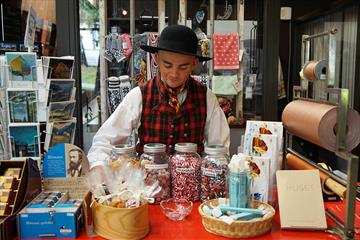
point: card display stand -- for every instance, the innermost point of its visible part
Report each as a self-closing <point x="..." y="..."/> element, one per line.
<point x="25" y="188"/>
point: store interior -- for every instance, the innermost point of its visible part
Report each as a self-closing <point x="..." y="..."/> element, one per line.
<point x="286" y="82"/>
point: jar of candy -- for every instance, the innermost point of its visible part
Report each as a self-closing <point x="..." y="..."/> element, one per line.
<point x="185" y="172"/>
<point x="123" y="154"/>
<point x="155" y="161"/>
<point x="214" y="167"/>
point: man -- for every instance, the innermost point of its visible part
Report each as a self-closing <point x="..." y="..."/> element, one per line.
<point x="75" y="167"/>
<point x="170" y="108"/>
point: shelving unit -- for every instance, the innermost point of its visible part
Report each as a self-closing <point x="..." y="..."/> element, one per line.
<point x="346" y="230"/>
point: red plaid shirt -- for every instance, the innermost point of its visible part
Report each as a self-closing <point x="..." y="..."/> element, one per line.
<point x="161" y="124"/>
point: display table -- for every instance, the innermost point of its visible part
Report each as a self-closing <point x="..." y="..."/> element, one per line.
<point x="192" y="228"/>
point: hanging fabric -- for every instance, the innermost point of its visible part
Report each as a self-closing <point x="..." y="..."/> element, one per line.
<point x="152" y="66"/>
<point x="226" y="51"/>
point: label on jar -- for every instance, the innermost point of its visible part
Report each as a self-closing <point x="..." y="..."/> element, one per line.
<point x="211" y="172"/>
<point x="185" y="170"/>
<point x="156" y="166"/>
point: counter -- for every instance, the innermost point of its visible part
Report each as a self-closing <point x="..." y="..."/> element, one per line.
<point x="192" y="228"/>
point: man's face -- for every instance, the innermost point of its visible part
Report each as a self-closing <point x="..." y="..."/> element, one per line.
<point x="175" y="68"/>
<point x="74" y="156"/>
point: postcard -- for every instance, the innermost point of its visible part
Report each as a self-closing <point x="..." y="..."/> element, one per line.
<point x="60" y="90"/>
<point x="260" y="167"/>
<point x="60" y="132"/>
<point x="22" y="66"/>
<point x="61" y="111"/>
<point x="24" y="140"/>
<point x="22" y="106"/>
<point x="58" y="67"/>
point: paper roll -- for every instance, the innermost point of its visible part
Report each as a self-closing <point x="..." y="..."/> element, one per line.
<point x="295" y="163"/>
<point x="314" y="69"/>
<point x="316" y="123"/>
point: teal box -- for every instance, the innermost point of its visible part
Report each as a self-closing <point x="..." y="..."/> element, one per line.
<point x="54" y="222"/>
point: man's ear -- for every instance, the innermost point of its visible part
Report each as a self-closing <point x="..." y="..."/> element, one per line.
<point x="195" y="63"/>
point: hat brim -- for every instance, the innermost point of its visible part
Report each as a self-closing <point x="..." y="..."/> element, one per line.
<point x="153" y="49"/>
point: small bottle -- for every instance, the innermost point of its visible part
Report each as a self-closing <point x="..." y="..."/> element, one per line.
<point x="123" y="154"/>
<point x="185" y="172"/>
<point x="214" y="167"/>
<point x="155" y="161"/>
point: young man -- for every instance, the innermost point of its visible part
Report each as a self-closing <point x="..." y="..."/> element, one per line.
<point x="169" y="109"/>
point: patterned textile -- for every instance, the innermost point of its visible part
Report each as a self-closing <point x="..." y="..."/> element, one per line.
<point x="117" y="90"/>
<point x="173" y="93"/>
<point x="152" y="67"/>
<point x="161" y="124"/>
<point x="203" y="79"/>
<point x="126" y="45"/>
<point x="113" y="93"/>
<point x="139" y="59"/>
<point x="113" y="48"/>
<point x="226" y="51"/>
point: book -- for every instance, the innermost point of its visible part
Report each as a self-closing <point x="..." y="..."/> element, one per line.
<point x="300" y="200"/>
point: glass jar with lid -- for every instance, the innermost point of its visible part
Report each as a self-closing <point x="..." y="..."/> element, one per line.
<point x="123" y="154"/>
<point x="185" y="172"/>
<point x="214" y="167"/>
<point x="155" y="161"/>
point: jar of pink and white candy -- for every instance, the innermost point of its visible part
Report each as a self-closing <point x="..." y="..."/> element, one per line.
<point x="185" y="172"/>
<point x="214" y="167"/>
<point x="155" y="161"/>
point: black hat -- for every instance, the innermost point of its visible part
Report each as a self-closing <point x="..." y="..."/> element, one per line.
<point x="179" y="39"/>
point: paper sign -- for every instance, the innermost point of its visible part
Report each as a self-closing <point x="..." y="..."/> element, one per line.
<point x="30" y="28"/>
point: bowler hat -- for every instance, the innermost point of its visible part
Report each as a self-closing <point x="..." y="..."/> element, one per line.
<point x="179" y="39"/>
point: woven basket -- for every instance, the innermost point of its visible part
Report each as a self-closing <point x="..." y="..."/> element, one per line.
<point x="238" y="229"/>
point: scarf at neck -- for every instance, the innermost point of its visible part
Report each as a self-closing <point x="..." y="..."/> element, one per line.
<point x="173" y="92"/>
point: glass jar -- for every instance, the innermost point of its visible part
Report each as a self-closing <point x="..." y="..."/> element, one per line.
<point x="123" y="154"/>
<point x="238" y="189"/>
<point x="185" y="172"/>
<point x="214" y="167"/>
<point x="155" y="161"/>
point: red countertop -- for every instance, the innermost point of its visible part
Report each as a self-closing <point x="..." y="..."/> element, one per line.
<point x="192" y="228"/>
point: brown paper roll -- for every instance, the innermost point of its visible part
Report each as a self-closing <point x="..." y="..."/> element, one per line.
<point x="295" y="163"/>
<point x="316" y="123"/>
<point x="312" y="70"/>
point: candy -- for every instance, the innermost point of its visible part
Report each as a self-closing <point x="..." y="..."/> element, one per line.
<point x="160" y="173"/>
<point x="213" y="179"/>
<point x="185" y="173"/>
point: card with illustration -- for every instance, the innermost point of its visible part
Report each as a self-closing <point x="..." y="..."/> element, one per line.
<point x="65" y="160"/>
<point x="60" y="90"/>
<point x="264" y="145"/>
<point x="22" y="66"/>
<point x="24" y="140"/>
<point x="22" y="105"/>
<point x="265" y="127"/>
<point x="61" y="111"/>
<point x="260" y="169"/>
<point x="60" y="68"/>
<point x="60" y="132"/>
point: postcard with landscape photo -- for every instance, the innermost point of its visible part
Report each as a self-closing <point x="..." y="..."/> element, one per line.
<point x="22" y="66"/>
<point x="22" y="106"/>
<point x="60" y="68"/>
<point x="24" y="140"/>
<point x="60" y="90"/>
<point x="60" y="132"/>
<point x="61" y="111"/>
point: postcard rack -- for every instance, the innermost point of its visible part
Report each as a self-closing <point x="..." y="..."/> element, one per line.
<point x="344" y="230"/>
